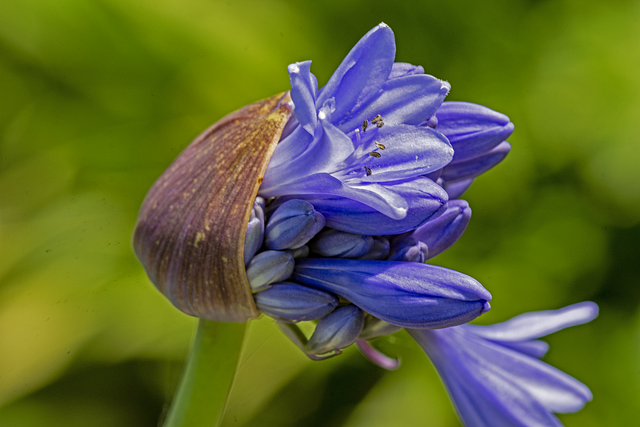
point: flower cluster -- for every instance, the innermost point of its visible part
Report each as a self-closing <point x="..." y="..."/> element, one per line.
<point x="361" y="190"/>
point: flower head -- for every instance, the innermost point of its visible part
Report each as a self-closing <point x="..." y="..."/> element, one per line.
<point x="493" y="373"/>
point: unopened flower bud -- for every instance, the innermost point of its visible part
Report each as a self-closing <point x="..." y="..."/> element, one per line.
<point x="441" y="233"/>
<point x="472" y="129"/>
<point x="456" y="189"/>
<point x="463" y="170"/>
<point x="295" y="302"/>
<point x="379" y="250"/>
<point x="337" y="330"/>
<point x="409" y="249"/>
<point x="255" y="230"/>
<point x="292" y="225"/>
<point x="334" y="243"/>
<point x="269" y="267"/>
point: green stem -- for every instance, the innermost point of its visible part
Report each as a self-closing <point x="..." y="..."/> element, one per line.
<point x="208" y="376"/>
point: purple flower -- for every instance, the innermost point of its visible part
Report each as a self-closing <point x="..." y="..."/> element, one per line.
<point x="493" y="374"/>
<point x="359" y="134"/>
<point x="406" y="294"/>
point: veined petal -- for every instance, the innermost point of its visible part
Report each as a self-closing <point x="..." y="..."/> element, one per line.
<point x="491" y="385"/>
<point x="290" y="148"/>
<point x="401" y="69"/>
<point x="328" y="149"/>
<point x="471" y="168"/>
<point x="426" y="200"/>
<point x="409" y="100"/>
<point x="405" y="294"/>
<point x="472" y="129"/>
<point x="363" y="71"/>
<point x="442" y="232"/>
<point x="538" y="323"/>
<point x="303" y="92"/>
<point x="374" y="195"/>
<point x="456" y="189"/>
<point x="409" y="151"/>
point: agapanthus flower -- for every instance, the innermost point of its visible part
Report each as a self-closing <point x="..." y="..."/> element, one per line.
<point x="493" y="374"/>
<point x="361" y="189"/>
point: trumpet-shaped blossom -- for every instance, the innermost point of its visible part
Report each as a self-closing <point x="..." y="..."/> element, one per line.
<point x="493" y="374"/>
<point x="359" y="194"/>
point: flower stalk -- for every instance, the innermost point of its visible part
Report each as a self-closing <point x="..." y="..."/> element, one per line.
<point x="209" y="374"/>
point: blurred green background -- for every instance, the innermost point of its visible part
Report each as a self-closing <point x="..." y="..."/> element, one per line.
<point x="99" y="96"/>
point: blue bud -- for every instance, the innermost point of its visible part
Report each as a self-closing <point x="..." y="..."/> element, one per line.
<point x="441" y="233"/>
<point x="409" y="249"/>
<point x="472" y="129"/>
<point x="337" y="330"/>
<point x="334" y="243"/>
<point x="379" y="250"/>
<point x="269" y="267"/>
<point x="292" y="225"/>
<point x="456" y="189"/>
<point x="295" y="302"/>
<point x="255" y="230"/>
<point x="463" y="170"/>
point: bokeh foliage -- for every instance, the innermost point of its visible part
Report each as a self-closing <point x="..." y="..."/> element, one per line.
<point x="98" y="96"/>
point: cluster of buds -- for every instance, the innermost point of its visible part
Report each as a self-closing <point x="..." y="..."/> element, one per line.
<point x="323" y="206"/>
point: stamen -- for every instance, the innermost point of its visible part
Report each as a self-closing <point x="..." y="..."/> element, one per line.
<point x="375" y="154"/>
<point x="368" y="171"/>
<point x="380" y="146"/>
<point x="380" y="123"/>
<point x="376" y="119"/>
<point x="364" y="125"/>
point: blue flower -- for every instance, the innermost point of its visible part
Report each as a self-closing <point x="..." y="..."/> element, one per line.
<point x="493" y="374"/>
<point x="359" y="135"/>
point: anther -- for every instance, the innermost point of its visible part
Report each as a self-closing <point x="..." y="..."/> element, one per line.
<point x="376" y="119"/>
<point x="364" y="125"/>
<point x="375" y="154"/>
<point x="380" y="146"/>
<point x="380" y="123"/>
<point x="368" y="171"/>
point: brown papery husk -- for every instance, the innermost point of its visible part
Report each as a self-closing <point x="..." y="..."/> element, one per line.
<point x="191" y="227"/>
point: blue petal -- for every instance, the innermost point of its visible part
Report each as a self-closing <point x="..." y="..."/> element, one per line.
<point x="255" y="230"/>
<point x="494" y="386"/>
<point x="405" y="100"/>
<point x="363" y="71"/>
<point x="337" y="330"/>
<point x="334" y="243"/>
<point x="401" y="69"/>
<point x="442" y="232"/>
<point x="295" y="302"/>
<point x="409" y="151"/>
<point x="328" y="149"/>
<point x="303" y="93"/>
<point x="379" y="250"/>
<point x="472" y="129"/>
<point x="534" y="348"/>
<point x="538" y="323"/>
<point x="478" y="165"/>
<point x="292" y="225"/>
<point x="426" y="200"/>
<point x="409" y="250"/>
<point x="290" y="148"/>
<point x="405" y="294"/>
<point x="456" y="189"/>
<point x="269" y="267"/>
<point x="377" y="196"/>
